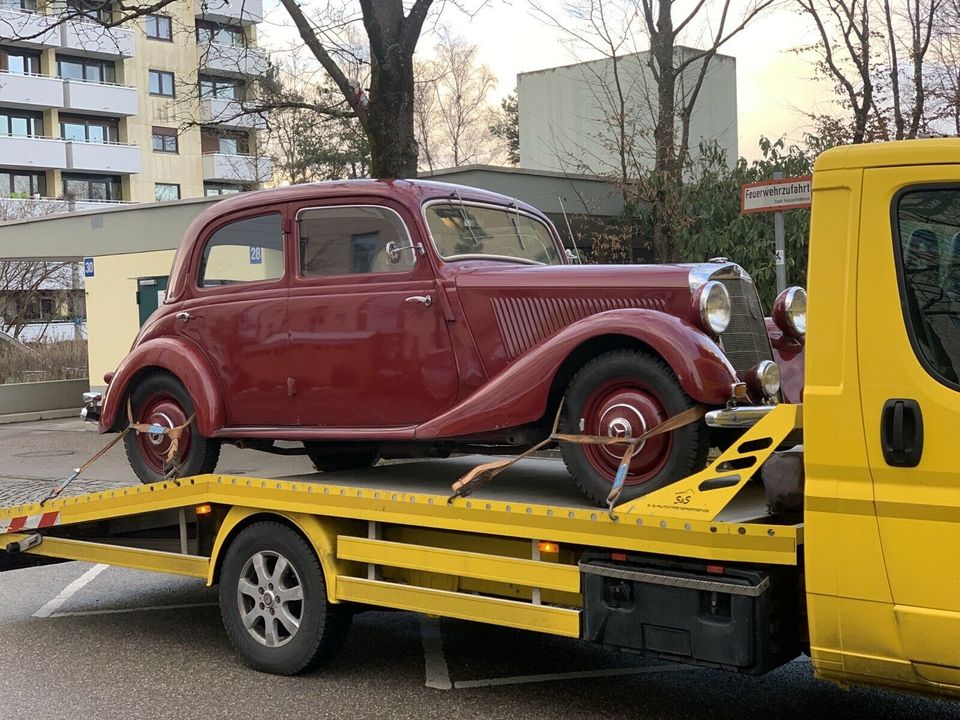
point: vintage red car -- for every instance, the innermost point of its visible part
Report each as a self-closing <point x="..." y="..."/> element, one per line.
<point x="371" y="319"/>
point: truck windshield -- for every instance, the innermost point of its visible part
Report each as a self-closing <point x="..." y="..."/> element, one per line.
<point x="464" y="231"/>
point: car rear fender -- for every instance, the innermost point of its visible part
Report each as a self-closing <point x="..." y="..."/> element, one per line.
<point x="180" y="359"/>
<point x="521" y="393"/>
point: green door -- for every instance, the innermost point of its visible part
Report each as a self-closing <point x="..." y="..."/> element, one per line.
<point x="150" y="293"/>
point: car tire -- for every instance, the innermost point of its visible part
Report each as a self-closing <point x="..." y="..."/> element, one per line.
<point x="331" y="460"/>
<point x="300" y="634"/>
<point x="626" y="392"/>
<point x="160" y="398"/>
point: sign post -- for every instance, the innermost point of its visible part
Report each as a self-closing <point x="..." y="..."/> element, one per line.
<point x="776" y="196"/>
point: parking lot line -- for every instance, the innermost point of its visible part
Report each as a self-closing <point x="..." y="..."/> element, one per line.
<point x="117" y="611"/>
<point x="68" y="592"/>
<point x="435" y="664"/>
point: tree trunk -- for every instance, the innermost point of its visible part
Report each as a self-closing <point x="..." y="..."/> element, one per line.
<point x="390" y="129"/>
<point x="665" y="173"/>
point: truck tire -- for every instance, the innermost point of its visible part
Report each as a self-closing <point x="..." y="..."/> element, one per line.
<point x="332" y="460"/>
<point x="161" y="399"/>
<point x="273" y="600"/>
<point x="624" y="393"/>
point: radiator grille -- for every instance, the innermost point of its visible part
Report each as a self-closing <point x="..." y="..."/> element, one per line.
<point x="745" y="341"/>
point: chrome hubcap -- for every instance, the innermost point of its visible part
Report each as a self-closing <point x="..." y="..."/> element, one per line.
<point x="618" y="424"/>
<point x="159" y="419"/>
<point x="270" y="598"/>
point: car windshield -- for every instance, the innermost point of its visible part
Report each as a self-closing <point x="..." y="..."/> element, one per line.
<point x="464" y="231"/>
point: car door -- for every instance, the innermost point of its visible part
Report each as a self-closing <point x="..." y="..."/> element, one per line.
<point x="237" y="315"/>
<point x="909" y="359"/>
<point x="369" y="345"/>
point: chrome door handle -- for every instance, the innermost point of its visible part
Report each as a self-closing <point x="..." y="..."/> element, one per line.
<point x="427" y="300"/>
<point x="182" y="315"/>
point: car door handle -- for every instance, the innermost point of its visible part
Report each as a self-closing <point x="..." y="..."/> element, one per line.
<point x="183" y="316"/>
<point x="901" y="432"/>
<point x="427" y="300"/>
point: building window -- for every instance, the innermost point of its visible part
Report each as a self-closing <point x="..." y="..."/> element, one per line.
<point x="95" y="10"/>
<point x="91" y="187"/>
<point x="24" y="5"/>
<point x="165" y="140"/>
<point x="19" y="62"/>
<point x="18" y="184"/>
<point x="161" y="83"/>
<point x="209" y="32"/>
<point x="223" y="88"/>
<point x="83" y="129"/>
<point x="76" y="68"/>
<point x="21" y="123"/>
<point x="159" y="27"/>
<point x="213" y="189"/>
<point x="224" y="142"/>
<point x="166" y="191"/>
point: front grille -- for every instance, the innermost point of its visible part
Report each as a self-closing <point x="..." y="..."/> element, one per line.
<point x="745" y="341"/>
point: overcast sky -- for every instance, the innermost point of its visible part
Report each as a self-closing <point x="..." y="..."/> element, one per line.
<point x="774" y="85"/>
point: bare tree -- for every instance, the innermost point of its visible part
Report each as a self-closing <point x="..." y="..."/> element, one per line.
<point x="945" y="81"/>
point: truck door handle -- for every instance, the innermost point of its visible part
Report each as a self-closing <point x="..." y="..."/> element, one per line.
<point x="427" y="300"/>
<point x="901" y="432"/>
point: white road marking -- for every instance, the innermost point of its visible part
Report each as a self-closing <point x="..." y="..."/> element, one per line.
<point x="435" y="664"/>
<point x="119" y="611"/>
<point x="548" y="677"/>
<point x="51" y="607"/>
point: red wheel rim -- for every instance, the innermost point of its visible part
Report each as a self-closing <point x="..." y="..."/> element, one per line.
<point x="625" y="408"/>
<point x="164" y="410"/>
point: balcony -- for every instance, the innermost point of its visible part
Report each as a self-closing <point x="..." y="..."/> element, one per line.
<point x="233" y="60"/>
<point x="218" y="167"/>
<point x="30" y="92"/>
<point x="220" y="111"/>
<point x="116" y="158"/>
<point x="100" y="98"/>
<point x="23" y="208"/>
<point x="28" y="29"/>
<point x="245" y="12"/>
<point x="33" y="153"/>
<point x="94" y="40"/>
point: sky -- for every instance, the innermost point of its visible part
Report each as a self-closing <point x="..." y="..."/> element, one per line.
<point x="774" y="83"/>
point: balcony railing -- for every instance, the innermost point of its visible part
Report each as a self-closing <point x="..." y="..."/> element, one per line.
<point x="119" y="158"/>
<point x="234" y="60"/>
<point x="100" y="98"/>
<point x="15" y="208"/>
<point x="245" y="12"/>
<point x="30" y="91"/>
<point x="31" y="152"/>
<point x="96" y="40"/>
<point x="28" y="28"/>
<point x="221" y="167"/>
<point x="229" y="113"/>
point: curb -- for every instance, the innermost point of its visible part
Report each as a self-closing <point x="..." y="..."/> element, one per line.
<point x="40" y="415"/>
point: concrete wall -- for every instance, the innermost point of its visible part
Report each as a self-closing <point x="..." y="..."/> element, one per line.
<point x="33" y="397"/>
<point x="565" y="113"/>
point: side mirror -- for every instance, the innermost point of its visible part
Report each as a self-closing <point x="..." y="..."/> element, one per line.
<point x="394" y="251"/>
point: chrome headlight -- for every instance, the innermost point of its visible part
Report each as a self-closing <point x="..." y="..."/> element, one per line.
<point x="765" y="378"/>
<point x="715" y="309"/>
<point x="790" y="311"/>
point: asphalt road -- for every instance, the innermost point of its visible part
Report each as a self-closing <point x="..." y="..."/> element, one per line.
<point x="98" y="642"/>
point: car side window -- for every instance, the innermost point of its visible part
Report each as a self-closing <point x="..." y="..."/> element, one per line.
<point x="928" y="230"/>
<point x="248" y="250"/>
<point x="353" y="240"/>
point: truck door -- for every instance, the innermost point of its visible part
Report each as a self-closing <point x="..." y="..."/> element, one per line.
<point x="909" y="359"/>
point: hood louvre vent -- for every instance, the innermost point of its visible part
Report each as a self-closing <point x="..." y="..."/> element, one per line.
<point x="526" y="322"/>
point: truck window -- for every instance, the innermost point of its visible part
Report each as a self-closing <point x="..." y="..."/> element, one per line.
<point x="248" y="250"/>
<point x="928" y="242"/>
<point x="352" y="241"/>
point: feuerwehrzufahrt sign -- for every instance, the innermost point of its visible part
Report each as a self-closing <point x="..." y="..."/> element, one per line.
<point x="771" y="195"/>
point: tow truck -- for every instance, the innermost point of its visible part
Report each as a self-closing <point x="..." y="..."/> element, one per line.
<point x="863" y="577"/>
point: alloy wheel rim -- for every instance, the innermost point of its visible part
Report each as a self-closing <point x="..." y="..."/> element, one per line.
<point x="270" y="599"/>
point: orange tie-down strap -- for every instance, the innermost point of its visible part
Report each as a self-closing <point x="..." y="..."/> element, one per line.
<point x="482" y="474"/>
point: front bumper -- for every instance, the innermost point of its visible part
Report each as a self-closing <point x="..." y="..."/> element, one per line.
<point x="92" y="403"/>
<point x="738" y="417"/>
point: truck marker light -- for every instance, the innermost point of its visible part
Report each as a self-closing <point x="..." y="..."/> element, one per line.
<point x="715" y="569"/>
<point x="204" y="509"/>
<point x="548" y="547"/>
<point x="619" y="557"/>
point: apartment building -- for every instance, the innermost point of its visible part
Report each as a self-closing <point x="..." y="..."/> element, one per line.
<point x="142" y="112"/>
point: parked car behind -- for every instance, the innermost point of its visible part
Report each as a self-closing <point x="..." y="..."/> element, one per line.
<point x="372" y="319"/>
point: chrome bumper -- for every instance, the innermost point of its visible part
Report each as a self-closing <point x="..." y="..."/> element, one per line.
<point x="738" y="417"/>
<point x="91" y="407"/>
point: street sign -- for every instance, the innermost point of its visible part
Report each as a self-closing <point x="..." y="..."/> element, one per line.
<point x="88" y="267"/>
<point x="789" y="193"/>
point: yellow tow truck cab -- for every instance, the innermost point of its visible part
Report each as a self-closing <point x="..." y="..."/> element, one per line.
<point x="863" y="574"/>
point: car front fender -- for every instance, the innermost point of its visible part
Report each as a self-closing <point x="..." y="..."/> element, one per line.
<point x="520" y="393"/>
<point x="179" y="358"/>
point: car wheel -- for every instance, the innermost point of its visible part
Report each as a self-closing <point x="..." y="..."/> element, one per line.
<point x="274" y="603"/>
<point x="332" y="460"/>
<point x="162" y="400"/>
<point x="624" y="393"/>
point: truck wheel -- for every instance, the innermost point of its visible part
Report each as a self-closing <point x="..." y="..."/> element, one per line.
<point x="332" y="460"/>
<point x="274" y="604"/>
<point x="162" y="400"/>
<point x="623" y="393"/>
